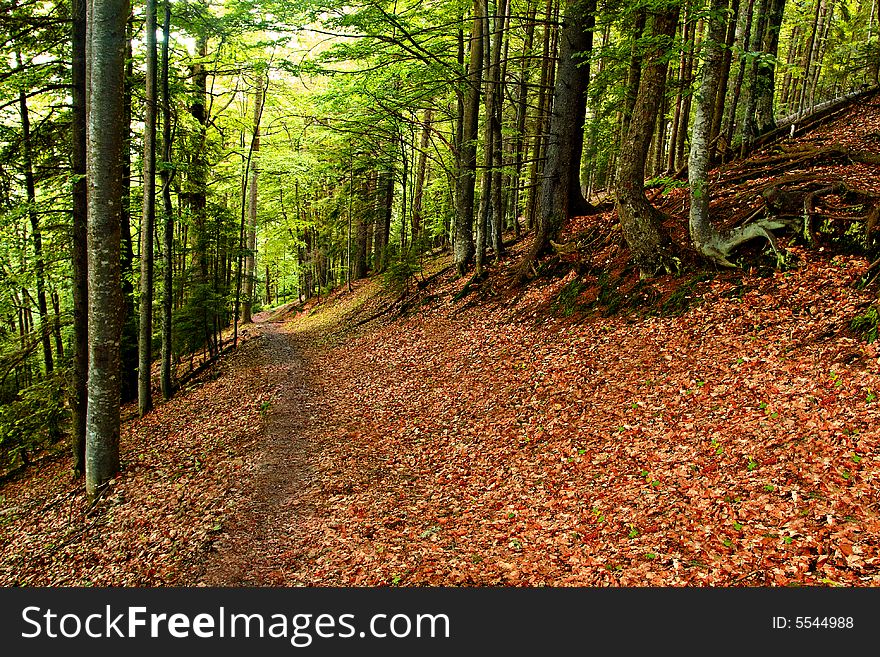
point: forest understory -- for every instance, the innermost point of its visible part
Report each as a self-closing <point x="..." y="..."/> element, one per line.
<point x="585" y="429"/>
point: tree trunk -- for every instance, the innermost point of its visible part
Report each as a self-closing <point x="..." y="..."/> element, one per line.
<point x="724" y="77"/>
<point x="79" y="252"/>
<point x="463" y="243"/>
<point x="744" y="28"/>
<point x="148" y="221"/>
<point x="565" y="143"/>
<point x="765" y="82"/>
<point x="701" y="230"/>
<point x="491" y="81"/>
<point x="106" y="20"/>
<point x="36" y="233"/>
<point x="749" y="127"/>
<point x="639" y="220"/>
<point x="167" y="381"/>
<point x="250" y="257"/>
<point x="539" y="134"/>
<point x="419" y="186"/>
<point x="129" y="343"/>
<point x="521" y="109"/>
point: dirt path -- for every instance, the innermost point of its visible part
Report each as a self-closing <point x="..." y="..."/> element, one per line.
<point x="266" y="525"/>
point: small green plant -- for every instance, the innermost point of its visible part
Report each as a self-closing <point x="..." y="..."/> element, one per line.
<point x="727" y="542"/>
<point x="856" y="458"/>
<point x="650" y="555"/>
<point x="738" y="526"/>
<point x="870" y="397"/>
<point x="866" y="323"/>
<point x="752" y="464"/>
<point x="769" y="488"/>
<point x="633" y="531"/>
<point x="566" y="302"/>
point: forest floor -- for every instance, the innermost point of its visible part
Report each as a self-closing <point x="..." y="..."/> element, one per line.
<point x="586" y="429"/>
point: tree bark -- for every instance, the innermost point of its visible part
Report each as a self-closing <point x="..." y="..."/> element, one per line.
<point x="79" y="251"/>
<point x="106" y="21"/>
<point x="250" y="257"/>
<point x="639" y="220"/>
<point x="167" y="380"/>
<point x="765" y="82"/>
<point x="463" y="242"/>
<point x="421" y="171"/>
<point x="560" y="188"/>
<point x="36" y="232"/>
<point x="148" y="220"/>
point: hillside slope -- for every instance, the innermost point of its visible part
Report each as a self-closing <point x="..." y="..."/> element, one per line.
<point x="586" y="429"/>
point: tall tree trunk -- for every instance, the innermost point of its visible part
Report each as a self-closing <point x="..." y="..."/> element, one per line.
<point x="419" y="185"/>
<point x="724" y="77"/>
<point x="250" y="257"/>
<point x="521" y="110"/>
<point x="536" y="165"/>
<point x="706" y="239"/>
<point x="79" y="252"/>
<point x="765" y="82"/>
<point x="463" y="243"/>
<point x="167" y="381"/>
<point x="106" y="20"/>
<point x="491" y="80"/>
<point x="701" y="230"/>
<point x="744" y="28"/>
<point x="749" y="127"/>
<point x="565" y="143"/>
<point x="129" y="343"/>
<point x="36" y="233"/>
<point x="639" y="220"/>
<point x="148" y="221"/>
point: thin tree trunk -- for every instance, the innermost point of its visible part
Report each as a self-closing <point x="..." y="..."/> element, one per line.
<point x="167" y="379"/>
<point x="724" y="77"/>
<point x="148" y="221"/>
<point x="36" y="233"/>
<point x="421" y="170"/>
<point x="521" y="109"/>
<point x="250" y="257"/>
<point x="539" y="134"/>
<point x="463" y="243"/>
<point x="79" y="252"/>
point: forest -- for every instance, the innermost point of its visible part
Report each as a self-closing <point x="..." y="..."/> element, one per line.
<point x="395" y="292"/>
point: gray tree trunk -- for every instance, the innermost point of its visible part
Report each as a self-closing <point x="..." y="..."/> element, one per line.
<point x="105" y="40"/>
<point x="706" y="239"/>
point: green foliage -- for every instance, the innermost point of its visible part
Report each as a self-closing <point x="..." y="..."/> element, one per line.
<point x="32" y="421"/>
<point x="866" y="323"/>
<point x="566" y="301"/>
<point x="193" y="324"/>
<point x="400" y="271"/>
